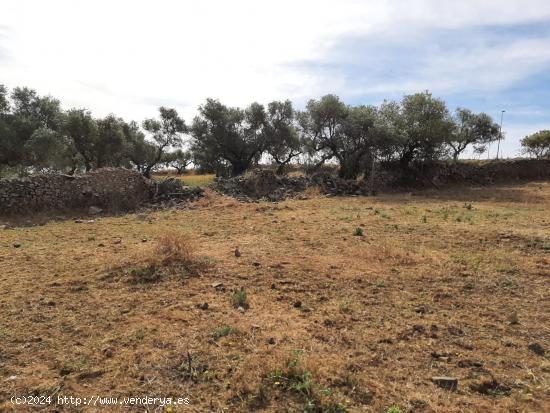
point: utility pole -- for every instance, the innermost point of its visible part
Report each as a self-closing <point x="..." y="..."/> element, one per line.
<point x="500" y="131"/>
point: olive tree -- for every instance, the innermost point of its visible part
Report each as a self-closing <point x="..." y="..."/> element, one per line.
<point x="165" y="133"/>
<point x="283" y="143"/>
<point x="222" y="134"/>
<point x="537" y="144"/>
<point x="472" y="129"/>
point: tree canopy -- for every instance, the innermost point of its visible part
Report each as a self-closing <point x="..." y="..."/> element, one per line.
<point x="537" y="144"/>
<point x="37" y="134"/>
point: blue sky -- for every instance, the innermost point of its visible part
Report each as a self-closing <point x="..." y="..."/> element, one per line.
<point x="129" y="57"/>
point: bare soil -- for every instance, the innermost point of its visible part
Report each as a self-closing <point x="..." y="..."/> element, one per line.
<point x="353" y="304"/>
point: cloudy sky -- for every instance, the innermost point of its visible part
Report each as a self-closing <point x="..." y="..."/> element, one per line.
<point x="129" y="57"/>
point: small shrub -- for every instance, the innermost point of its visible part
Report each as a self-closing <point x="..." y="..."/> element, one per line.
<point x="345" y="307"/>
<point x="146" y="274"/>
<point x="424" y="219"/>
<point x="300" y="382"/>
<point x="223" y="331"/>
<point x="394" y="409"/>
<point x="358" y="232"/>
<point x="177" y="253"/>
<point x="172" y="254"/>
<point x="174" y="248"/>
<point x="239" y="299"/>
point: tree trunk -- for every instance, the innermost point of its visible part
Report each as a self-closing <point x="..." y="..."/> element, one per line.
<point x="280" y="168"/>
<point x="238" y="168"/>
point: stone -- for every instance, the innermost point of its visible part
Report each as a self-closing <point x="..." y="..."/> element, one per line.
<point x="108" y="352"/>
<point x="237" y="252"/>
<point x="537" y="349"/>
<point x="16" y="245"/>
<point x="94" y="210"/>
<point x="449" y="383"/>
<point x="218" y="286"/>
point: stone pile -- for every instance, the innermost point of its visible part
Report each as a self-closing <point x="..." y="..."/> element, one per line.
<point x="172" y="190"/>
<point x="333" y="185"/>
<point x="266" y="185"/>
<point x="107" y="189"/>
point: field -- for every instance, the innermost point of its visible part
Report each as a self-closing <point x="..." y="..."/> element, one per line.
<point x="189" y="180"/>
<point x="350" y="305"/>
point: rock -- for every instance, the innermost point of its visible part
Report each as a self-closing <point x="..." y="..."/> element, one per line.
<point x="469" y="363"/>
<point x="513" y="318"/>
<point x="203" y="306"/>
<point x="449" y="383"/>
<point x="93" y="210"/>
<point x="491" y="388"/>
<point x="218" y="286"/>
<point x="537" y="349"/>
<point x="237" y="252"/>
<point x="78" y="221"/>
<point x="418" y="328"/>
<point x="108" y="352"/>
<point x="257" y="264"/>
<point x="455" y="331"/>
<point x="241" y="309"/>
<point x="16" y="245"/>
<point x="144" y="240"/>
<point x="117" y="241"/>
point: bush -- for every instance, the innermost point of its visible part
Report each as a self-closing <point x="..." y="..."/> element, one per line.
<point x="239" y="299"/>
<point x="172" y="254"/>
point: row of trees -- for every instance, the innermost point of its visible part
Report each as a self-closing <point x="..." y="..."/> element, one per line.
<point x="36" y="134"/>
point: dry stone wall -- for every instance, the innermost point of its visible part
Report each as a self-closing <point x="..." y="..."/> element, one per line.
<point x="114" y="189"/>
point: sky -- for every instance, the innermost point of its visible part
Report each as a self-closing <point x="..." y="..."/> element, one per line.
<point x="130" y="57"/>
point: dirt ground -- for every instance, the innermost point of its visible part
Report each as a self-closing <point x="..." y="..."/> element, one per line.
<point x="355" y="304"/>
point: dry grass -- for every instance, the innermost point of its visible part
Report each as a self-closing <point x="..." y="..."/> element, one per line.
<point x="190" y="180"/>
<point x="440" y="283"/>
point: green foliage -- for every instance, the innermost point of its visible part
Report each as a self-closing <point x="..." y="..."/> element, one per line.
<point x="178" y="160"/>
<point x="333" y="130"/>
<point x="472" y="129"/>
<point x="358" y="232"/>
<point x="223" y="331"/>
<point x="165" y="132"/>
<point x="226" y="136"/>
<point x="300" y="382"/>
<point x="537" y="144"/>
<point x="239" y="299"/>
<point x="37" y="135"/>
<point x="283" y="143"/>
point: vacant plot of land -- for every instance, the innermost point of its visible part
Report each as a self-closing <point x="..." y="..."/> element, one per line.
<point x="349" y="304"/>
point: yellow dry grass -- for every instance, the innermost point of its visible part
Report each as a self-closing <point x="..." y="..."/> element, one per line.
<point x="450" y="283"/>
<point x="190" y="180"/>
